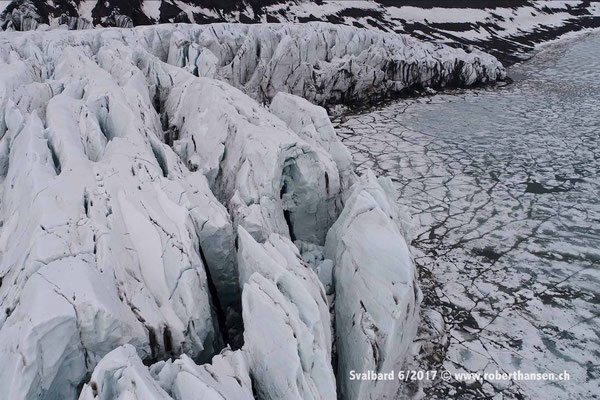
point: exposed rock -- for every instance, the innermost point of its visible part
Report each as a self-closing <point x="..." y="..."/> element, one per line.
<point x="377" y="296"/>
<point x="75" y="23"/>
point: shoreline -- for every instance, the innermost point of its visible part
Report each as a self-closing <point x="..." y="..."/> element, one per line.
<point x="450" y="311"/>
<point x="411" y="94"/>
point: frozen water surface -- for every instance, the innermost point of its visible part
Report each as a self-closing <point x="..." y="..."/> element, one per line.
<point x="504" y="187"/>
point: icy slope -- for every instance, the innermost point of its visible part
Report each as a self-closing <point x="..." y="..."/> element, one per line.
<point x="151" y="211"/>
<point x="286" y="321"/>
<point x="101" y="246"/>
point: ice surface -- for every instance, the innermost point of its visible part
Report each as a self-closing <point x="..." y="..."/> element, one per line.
<point x="121" y="375"/>
<point x="124" y="181"/>
<point x="268" y="177"/>
<point x="312" y="124"/>
<point x="377" y="295"/>
<point x="287" y="332"/>
<point x="87" y="193"/>
<point x="325" y="63"/>
<point x="504" y="191"/>
<point x="508" y="29"/>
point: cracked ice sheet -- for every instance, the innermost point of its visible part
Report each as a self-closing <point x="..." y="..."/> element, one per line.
<point x="504" y="188"/>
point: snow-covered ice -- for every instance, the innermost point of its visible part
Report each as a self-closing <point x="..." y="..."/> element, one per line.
<point x="507" y="29"/>
<point x="325" y="63"/>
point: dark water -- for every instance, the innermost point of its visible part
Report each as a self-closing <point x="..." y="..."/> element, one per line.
<point x="504" y="187"/>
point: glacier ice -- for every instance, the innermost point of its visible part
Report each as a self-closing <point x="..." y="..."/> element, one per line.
<point x="104" y="230"/>
<point x="147" y="210"/>
<point x="509" y="30"/>
<point x="287" y="333"/>
<point x="267" y="176"/>
<point x="377" y="294"/>
<point x="324" y="63"/>
<point x="312" y="124"/>
<point x="122" y="375"/>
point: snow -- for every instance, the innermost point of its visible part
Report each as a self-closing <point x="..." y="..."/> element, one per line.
<point x="312" y="124"/>
<point x="509" y="31"/>
<point x="438" y="14"/>
<point x="85" y="9"/>
<point x="152" y="9"/>
<point x="190" y="9"/>
<point x="91" y="188"/>
<point x="494" y="248"/>
<point x="323" y="63"/>
<point x="308" y="8"/>
<point x="4" y="4"/>
<point x="252" y="160"/>
<point x="161" y="185"/>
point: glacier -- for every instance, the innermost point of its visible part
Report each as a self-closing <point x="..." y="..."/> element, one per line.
<point x="510" y="30"/>
<point x="174" y="218"/>
<point x="324" y="63"/>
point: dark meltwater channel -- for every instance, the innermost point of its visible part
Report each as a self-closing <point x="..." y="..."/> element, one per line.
<point x="504" y="188"/>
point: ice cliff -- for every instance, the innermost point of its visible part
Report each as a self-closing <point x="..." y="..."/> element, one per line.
<point x="151" y="217"/>
<point x="508" y="29"/>
<point x="325" y="63"/>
